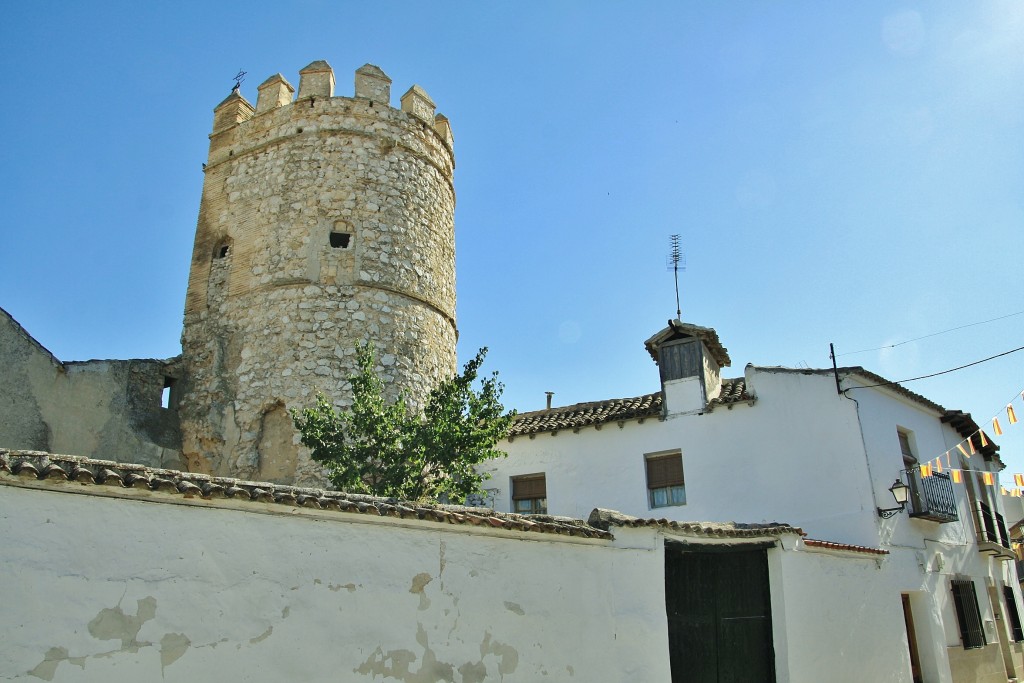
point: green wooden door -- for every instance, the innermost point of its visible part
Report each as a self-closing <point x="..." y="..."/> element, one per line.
<point x="719" y="614"/>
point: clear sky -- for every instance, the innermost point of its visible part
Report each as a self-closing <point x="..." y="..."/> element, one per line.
<point x="838" y="172"/>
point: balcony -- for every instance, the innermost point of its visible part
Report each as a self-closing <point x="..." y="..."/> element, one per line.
<point x="992" y="536"/>
<point x="931" y="497"/>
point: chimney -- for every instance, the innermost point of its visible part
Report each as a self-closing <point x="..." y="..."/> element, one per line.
<point x="549" y="394"/>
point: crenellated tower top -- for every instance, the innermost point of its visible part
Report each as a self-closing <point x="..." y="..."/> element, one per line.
<point x="316" y="81"/>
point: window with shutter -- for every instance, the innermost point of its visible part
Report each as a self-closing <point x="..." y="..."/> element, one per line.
<point x="665" y="484"/>
<point x="1013" y="614"/>
<point x="530" y="494"/>
<point x="968" y="616"/>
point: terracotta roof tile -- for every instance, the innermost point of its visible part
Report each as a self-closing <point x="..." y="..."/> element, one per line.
<point x="46" y="468"/>
<point x="830" y="545"/>
<point x="733" y="391"/>
<point x="595" y="413"/>
<point x="586" y="414"/>
<point x="604" y="519"/>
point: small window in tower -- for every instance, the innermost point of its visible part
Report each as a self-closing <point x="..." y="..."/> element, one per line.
<point x="222" y="251"/>
<point x="340" y="240"/>
<point x="165" y="395"/>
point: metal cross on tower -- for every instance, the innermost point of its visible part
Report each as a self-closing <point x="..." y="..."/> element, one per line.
<point x="239" y="77"/>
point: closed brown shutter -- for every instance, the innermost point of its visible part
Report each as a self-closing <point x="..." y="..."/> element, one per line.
<point x="532" y="486"/>
<point x="665" y="470"/>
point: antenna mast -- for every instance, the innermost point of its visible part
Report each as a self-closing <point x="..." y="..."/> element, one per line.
<point x="676" y="258"/>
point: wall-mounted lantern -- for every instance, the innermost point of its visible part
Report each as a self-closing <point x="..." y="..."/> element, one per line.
<point x="901" y="492"/>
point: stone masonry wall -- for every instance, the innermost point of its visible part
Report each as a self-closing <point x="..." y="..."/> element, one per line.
<point x="324" y="222"/>
<point x="108" y="409"/>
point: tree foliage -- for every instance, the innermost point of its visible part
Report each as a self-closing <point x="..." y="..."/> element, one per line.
<point x="385" y="449"/>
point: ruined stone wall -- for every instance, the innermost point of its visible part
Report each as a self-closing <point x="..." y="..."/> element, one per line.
<point x="108" y="409"/>
<point x="324" y="222"/>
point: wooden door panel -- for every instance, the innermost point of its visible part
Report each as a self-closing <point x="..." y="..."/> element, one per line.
<point x="719" y="614"/>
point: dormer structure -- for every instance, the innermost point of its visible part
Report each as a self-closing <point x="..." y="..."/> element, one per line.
<point x="690" y="359"/>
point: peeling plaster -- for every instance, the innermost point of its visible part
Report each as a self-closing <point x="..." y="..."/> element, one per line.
<point x="172" y="647"/>
<point x="514" y="608"/>
<point x="419" y="582"/>
<point x="261" y="637"/>
<point x="47" y="668"/>
<point x="508" y="654"/>
<point x="113" y="624"/>
<point x="398" y="663"/>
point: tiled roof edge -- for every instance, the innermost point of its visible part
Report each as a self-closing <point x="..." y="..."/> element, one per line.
<point x="846" y="547"/>
<point x="605" y="519"/>
<point x="595" y="413"/>
<point x="42" y="467"/>
<point x="579" y="415"/>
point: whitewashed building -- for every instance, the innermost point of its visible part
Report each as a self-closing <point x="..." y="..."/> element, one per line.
<point x="817" y="449"/>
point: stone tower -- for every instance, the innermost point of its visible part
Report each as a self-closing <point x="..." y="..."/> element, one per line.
<point x="324" y="222"/>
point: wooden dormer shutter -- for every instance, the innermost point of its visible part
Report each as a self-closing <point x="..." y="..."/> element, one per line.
<point x="664" y="471"/>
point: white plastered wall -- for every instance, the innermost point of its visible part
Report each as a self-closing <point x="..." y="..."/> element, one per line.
<point x="108" y="589"/>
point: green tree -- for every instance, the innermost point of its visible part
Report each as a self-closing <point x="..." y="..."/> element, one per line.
<point x="385" y="449"/>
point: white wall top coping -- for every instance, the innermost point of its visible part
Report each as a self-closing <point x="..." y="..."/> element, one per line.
<point x="41" y="470"/>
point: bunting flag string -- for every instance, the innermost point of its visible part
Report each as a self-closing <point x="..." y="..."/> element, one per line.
<point x="967" y="448"/>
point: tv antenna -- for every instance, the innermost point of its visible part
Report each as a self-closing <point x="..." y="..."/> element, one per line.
<point x="239" y="77"/>
<point x="676" y="261"/>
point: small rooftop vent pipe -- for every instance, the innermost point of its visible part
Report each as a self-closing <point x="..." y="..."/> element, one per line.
<point x="549" y="394"/>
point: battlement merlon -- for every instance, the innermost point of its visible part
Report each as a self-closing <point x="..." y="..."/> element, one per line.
<point x="373" y="84"/>
<point x="274" y="92"/>
<point x="233" y="110"/>
<point x="316" y="80"/>
<point x="417" y="102"/>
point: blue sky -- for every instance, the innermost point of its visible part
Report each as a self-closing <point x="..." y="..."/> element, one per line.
<point x="843" y="172"/>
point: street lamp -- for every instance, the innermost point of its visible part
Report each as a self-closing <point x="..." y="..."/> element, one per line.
<point x="901" y="492"/>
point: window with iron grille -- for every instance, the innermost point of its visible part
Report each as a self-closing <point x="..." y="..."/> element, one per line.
<point x="968" y="616"/>
<point x="530" y="494"/>
<point x="1013" y="614"/>
<point x="665" y="484"/>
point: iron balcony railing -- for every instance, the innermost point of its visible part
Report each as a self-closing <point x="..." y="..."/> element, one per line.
<point x="991" y="526"/>
<point x="931" y="497"/>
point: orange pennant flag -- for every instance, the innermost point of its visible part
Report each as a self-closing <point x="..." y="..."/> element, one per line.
<point x="960" y="447"/>
<point x="1010" y="415"/>
<point x="989" y="479"/>
<point x="970" y="443"/>
<point x="938" y="464"/>
<point x="995" y="426"/>
<point x="956" y="476"/>
<point x="1003" y="491"/>
<point x="1016" y="493"/>
<point x="926" y="470"/>
<point x="984" y="440"/>
<point x="1018" y="479"/>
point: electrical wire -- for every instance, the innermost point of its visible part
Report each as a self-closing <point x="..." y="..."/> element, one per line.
<point x="933" y="334"/>
<point x="944" y="372"/>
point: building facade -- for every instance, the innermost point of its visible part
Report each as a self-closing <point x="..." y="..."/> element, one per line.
<point x="819" y="449"/>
